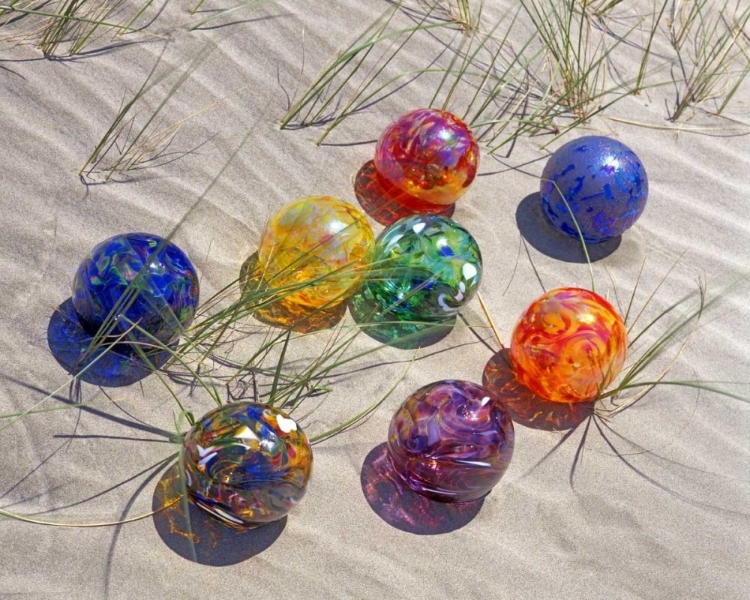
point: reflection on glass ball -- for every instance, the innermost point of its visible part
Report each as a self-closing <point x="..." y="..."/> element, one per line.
<point x="569" y="345"/>
<point x="315" y="251"/>
<point x="601" y="181"/>
<point x="136" y="278"/>
<point x="247" y="463"/>
<point x="451" y="441"/>
<point x="430" y="154"/>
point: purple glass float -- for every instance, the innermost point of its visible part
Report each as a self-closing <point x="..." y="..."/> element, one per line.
<point x="451" y="441"/>
<point x="601" y="181"/>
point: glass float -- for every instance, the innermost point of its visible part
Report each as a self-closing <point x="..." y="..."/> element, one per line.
<point x="603" y="183"/>
<point x="429" y="154"/>
<point x="136" y="278"/>
<point x="451" y="441"/>
<point x="315" y="251"/>
<point x="425" y="269"/>
<point x="569" y="345"/>
<point x="246" y="463"/>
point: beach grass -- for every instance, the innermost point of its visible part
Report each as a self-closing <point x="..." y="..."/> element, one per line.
<point x="715" y="62"/>
<point x="65" y="28"/>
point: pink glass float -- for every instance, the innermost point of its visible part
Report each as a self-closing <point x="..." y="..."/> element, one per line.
<point x="430" y="155"/>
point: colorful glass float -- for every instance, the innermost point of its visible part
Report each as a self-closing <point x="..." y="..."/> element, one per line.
<point x="600" y="181"/>
<point x="136" y="279"/>
<point x="451" y="441"/>
<point x="247" y="463"/>
<point x="569" y="345"/>
<point x="315" y="251"/>
<point x="430" y="155"/>
<point x="425" y="269"/>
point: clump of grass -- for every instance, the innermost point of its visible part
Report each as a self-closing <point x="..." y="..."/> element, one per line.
<point x="682" y="18"/>
<point x="550" y="83"/>
<point x="70" y="24"/>
<point x="715" y="64"/>
<point x="678" y="324"/>
<point x="461" y="12"/>
<point x="598" y="8"/>
<point x="577" y="54"/>
<point x="350" y="81"/>
<point x="139" y="138"/>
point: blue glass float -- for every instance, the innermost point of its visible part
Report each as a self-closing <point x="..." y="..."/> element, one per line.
<point x="426" y="268"/>
<point x="602" y="181"/>
<point x="136" y="278"/>
<point x="247" y="463"/>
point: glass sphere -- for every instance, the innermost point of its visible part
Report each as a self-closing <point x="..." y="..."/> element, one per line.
<point x="569" y="345"/>
<point x="161" y="282"/>
<point x="602" y="181"/>
<point x="426" y="268"/>
<point x="430" y="154"/>
<point x="316" y="250"/>
<point x="451" y="441"/>
<point x="247" y="463"/>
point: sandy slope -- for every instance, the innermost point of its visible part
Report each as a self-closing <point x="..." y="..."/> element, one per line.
<point x="666" y="519"/>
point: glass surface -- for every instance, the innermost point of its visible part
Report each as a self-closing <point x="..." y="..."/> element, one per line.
<point x="247" y="463"/>
<point x="569" y="345"/>
<point x="602" y="181"/>
<point x="425" y="269"/>
<point x="136" y="278"/>
<point x="430" y="154"/>
<point x="451" y="441"/>
<point x="315" y="250"/>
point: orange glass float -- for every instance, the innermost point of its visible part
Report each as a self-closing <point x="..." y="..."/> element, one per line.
<point x="569" y="345"/>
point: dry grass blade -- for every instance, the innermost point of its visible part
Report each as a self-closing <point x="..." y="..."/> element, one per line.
<point x="577" y="54"/>
<point x="74" y="24"/>
<point x="223" y="13"/>
<point x="682" y="17"/>
<point x="716" y="63"/>
<point x="131" y="142"/>
<point x="351" y="80"/>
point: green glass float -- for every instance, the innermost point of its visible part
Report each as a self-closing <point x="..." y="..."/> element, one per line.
<point x="426" y="268"/>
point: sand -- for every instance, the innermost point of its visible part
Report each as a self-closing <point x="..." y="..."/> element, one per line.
<point x="653" y="504"/>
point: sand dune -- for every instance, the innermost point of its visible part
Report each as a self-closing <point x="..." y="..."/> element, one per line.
<point x="653" y="504"/>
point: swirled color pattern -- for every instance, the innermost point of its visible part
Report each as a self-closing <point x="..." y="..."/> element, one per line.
<point x="425" y="269"/>
<point x="601" y="181"/>
<point x="451" y="441"/>
<point x="136" y="278"/>
<point x="316" y="250"/>
<point x="569" y="345"/>
<point x="430" y="154"/>
<point x="247" y="463"/>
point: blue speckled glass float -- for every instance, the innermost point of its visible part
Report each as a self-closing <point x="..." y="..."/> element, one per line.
<point x="602" y="181"/>
<point x="425" y="269"/>
<point x="451" y="441"/>
<point x="246" y="463"/>
<point x="160" y="281"/>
